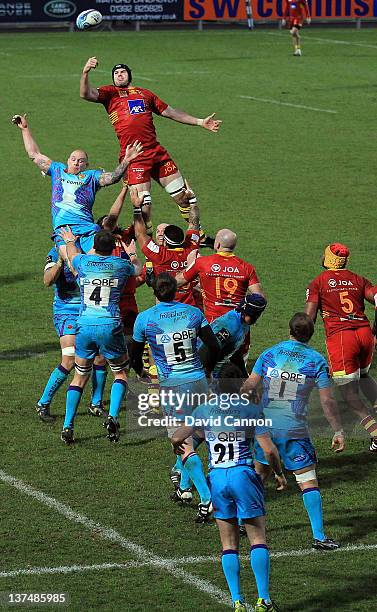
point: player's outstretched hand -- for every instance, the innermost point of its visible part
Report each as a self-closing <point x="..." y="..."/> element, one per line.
<point x="211" y="124"/>
<point x="136" y="200"/>
<point x="133" y="151"/>
<point x="338" y="444"/>
<point x="281" y="482"/>
<point x="179" y="448"/>
<point x="66" y="234"/>
<point x="20" y="121"/>
<point x="91" y="64"/>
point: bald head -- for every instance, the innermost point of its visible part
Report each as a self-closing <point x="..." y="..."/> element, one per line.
<point x="225" y="240"/>
<point x="77" y="162"/>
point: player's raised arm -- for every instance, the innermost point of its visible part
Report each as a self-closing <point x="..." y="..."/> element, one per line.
<point x="31" y="147"/>
<point x="70" y="242"/>
<point x="109" y="222"/>
<point x="52" y="271"/>
<point x="109" y="178"/>
<point x="86" y="91"/>
<point x="209" y="123"/>
<point x="139" y="225"/>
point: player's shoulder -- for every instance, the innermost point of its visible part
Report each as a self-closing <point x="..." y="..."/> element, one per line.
<point x="109" y="89"/>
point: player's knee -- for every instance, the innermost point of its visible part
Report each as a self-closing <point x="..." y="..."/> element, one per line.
<point x="147" y="198"/>
<point x="176" y="189"/>
<point x="83" y="370"/>
<point x="304" y="477"/>
<point x="119" y="366"/>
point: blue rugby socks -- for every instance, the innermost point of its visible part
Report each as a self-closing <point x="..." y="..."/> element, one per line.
<point x="230" y="562"/>
<point x="99" y="375"/>
<point x="260" y="564"/>
<point x="118" y="391"/>
<point x="194" y="468"/>
<point x="312" y="501"/>
<point x="73" y="399"/>
<point x="57" y="378"/>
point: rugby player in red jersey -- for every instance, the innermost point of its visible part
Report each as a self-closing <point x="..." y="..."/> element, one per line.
<point x="170" y="256"/>
<point x="225" y="279"/>
<point x="340" y="296"/>
<point x="130" y="110"/>
<point x="295" y="12"/>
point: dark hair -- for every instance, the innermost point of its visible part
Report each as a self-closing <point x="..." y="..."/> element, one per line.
<point x="104" y="242"/>
<point x="174" y="236"/>
<point x="230" y="378"/>
<point x="301" y="327"/>
<point x="165" y="287"/>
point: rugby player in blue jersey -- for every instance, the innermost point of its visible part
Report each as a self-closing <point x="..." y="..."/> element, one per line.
<point x="289" y="371"/>
<point x="231" y="330"/>
<point x="101" y="278"/>
<point x="74" y="187"/>
<point x="229" y="422"/>
<point x="172" y="330"/>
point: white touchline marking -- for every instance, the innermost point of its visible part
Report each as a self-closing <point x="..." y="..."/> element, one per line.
<point x="113" y="536"/>
<point x="312" y="108"/>
<point x="67" y="569"/>
<point x="329" y="40"/>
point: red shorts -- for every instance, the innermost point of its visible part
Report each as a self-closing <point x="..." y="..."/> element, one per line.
<point x="350" y="353"/>
<point x="153" y="163"/>
<point x="295" y="23"/>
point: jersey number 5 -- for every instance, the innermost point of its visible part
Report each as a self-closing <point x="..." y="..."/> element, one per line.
<point x="347" y="304"/>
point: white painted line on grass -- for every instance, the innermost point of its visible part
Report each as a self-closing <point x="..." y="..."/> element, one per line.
<point x="68" y="569"/>
<point x="106" y="533"/>
<point x="270" y="101"/>
<point x="329" y="40"/>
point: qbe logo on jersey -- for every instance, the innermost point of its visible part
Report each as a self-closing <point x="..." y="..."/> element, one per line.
<point x="284" y="384"/>
<point x="136" y="107"/>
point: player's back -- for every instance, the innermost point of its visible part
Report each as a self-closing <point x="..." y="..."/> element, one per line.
<point x="340" y="295"/>
<point x="101" y="279"/>
<point x="290" y="371"/>
<point x="224" y="279"/>
<point x="73" y="195"/>
<point x="229" y="427"/>
<point x="171" y="330"/>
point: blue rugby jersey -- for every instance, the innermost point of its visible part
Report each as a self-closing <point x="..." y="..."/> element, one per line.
<point x="229" y="428"/>
<point x="171" y="330"/>
<point x="290" y="371"/>
<point x="73" y="195"/>
<point x="101" y="280"/>
<point x="66" y="290"/>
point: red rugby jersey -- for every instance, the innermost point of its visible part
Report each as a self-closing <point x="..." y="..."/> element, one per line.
<point x="173" y="261"/>
<point x="296" y="9"/>
<point x="224" y="280"/>
<point x="130" y="110"/>
<point x="340" y="295"/>
<point x="127" y="299"/>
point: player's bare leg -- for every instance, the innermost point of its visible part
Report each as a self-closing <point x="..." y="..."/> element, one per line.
<point x="296" y="38"/>
<point x="350" y="393"/>
<point x="307" y="482"/>
<point x="186" y="201"/>
<point x="144" y="191"/>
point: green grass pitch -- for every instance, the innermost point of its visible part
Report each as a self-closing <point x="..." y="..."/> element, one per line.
<point x="288" y="180"/>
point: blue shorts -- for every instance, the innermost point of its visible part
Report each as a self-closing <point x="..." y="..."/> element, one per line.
<point x="192" y="393"/>
<point x="294" y="453"/>
<point x="106" y="339"/>
<point x="65" y="324"/>
<point x="85" y="234"/>
<point x="236" y="492"/>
